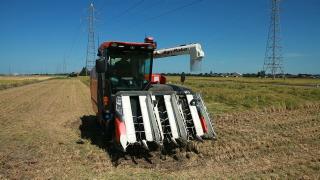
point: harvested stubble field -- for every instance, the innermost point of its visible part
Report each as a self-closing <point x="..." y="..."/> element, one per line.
<point x="277" y="136"/>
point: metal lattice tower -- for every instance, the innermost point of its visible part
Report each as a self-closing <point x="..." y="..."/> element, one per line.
<point x="273" y="62"/>
<point x="91" y="50"/>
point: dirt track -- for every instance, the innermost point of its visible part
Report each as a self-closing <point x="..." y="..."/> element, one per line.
<point x="41" y="124"/>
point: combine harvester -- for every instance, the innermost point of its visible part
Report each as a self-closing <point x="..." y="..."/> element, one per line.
<point x="136" y="107"/>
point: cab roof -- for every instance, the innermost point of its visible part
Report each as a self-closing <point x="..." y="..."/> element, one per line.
<point x="117" y="43"/>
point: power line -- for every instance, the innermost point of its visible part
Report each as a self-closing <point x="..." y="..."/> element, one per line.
<point x="75" y="40"/>
<point x="164" y="13"/>
<point x="173" y="10"/>
<point x="129" y="9"/>
<point x="10" y="69"/>
<point x="64" y="66"/>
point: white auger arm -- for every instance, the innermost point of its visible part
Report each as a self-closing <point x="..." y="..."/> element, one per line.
<point x="194" y="50"/>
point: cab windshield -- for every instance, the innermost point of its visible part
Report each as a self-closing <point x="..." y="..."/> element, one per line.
<point x="129" y="70"/>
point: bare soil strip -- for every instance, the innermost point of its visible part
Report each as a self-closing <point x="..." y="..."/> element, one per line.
<point x="41" y="125"/>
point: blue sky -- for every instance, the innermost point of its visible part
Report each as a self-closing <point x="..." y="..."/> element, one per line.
<point x="37" y="35"/>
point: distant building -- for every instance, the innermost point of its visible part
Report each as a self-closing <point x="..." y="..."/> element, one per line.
<point x="235" y="74"/>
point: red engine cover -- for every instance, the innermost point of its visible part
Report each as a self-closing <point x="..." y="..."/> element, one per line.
<point x="158" y="79"/>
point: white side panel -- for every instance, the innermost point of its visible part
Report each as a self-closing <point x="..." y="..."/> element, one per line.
<point x="172" y="120"/>
<point x="145" y="117"/>
<point x="195" y="116"/>
<point x="127" y="114"/>
<point x="156" y="111"/>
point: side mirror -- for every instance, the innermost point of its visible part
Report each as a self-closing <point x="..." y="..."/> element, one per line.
<point x="101" y="66"/>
